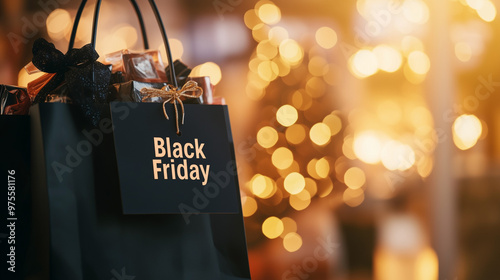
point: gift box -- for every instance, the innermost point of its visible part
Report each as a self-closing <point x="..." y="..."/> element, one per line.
<point x="144" y="66"/>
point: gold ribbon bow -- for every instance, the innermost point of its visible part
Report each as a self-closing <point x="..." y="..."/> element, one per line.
<point x="173" y="96"/>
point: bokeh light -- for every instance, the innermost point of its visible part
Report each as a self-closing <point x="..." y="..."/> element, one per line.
<point x="269" y="13"/>
<point x="326" y="37"/>
<point x="300" y="201"/>
<point x="263" y="186"/>
<point x="58" y="24"/>
<point x="320" y="134"/>
<point x="294" y="183"/>
<point x="289" y="225"/>
<point x="354" y="178"/>
<point x="295" y="134"/>
<point x="364" y="63"/>
<point x="267" y="137"/>
<point x="353" y="197"/>
<point x="292" y="242"/>
<point x="291" y="51"/>
<point x="389" y="59"/>
<point x="209" y="69"/>
<point x="416" y="11"/>
<point x="466" y="131"/>
<point x="287" y="115"/>
<point x="334" y="123"/>
<point x="282" y="158"/>
<point x="272" y="227"/>
<point x="419" y="62"/>
<point x="395" y="155"/>
<point x="277" y="35"/>
<point x="367" y="146"/>
<point x="249" y="206"/>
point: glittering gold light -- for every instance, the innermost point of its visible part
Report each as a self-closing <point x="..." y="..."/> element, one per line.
<point x="322" y="168"/>
<point x="487" y="11"/>
<point x="295" y="134"/>
<point x="410" y="44"/>
<point x="287" y="115"/>
<point x="260" y="32"/>
<point x="268" y="70"/>
<point x="420" y="116"/>
<point x="289" y="225"/>
<point x="326" y="37"/>
<point x="58" y="24"/>
<point x="269" y="13"/>
<point x="320" y="134"/>
<point x="325" y="187"/>
<point x="294" y="183"/>
<point x="396" y="155"/>
<point x="292" y="242"/>
<point x="266" y="51"/>
<point x="389" y="59"/>
<point x="334" y="123"/>
<point x="210" y="69"/>
<point x="367" y="146"/>
<point x="427" y="265"/>
<point x="291" y="51"/>
<point x="263" y="186"/>
<point x="348" y="148"/>
<point x="272" y="227"/>
<point x="282" y="158"/>
<point x="267" y="137"/>
<point x="363" y="64"/>
<point x="353" y="198"/>
<point x="466" y="131"/>
<point x="277" y="34"/>
<point x="175" y="46"/>
<point x="424" y="167"/>
<point x="249" y="206"/>
<point x="311" y="186"/>
<point x="301" y="100"/>
<point x="318" y="66"/>
<point x="475" y="4"/>
<point x="354" y="178"/>
<point x="300" y="201"/>
<point x="416" y="11"/>
<point x="311" y="168"/>
<point x="251" y="19"/>
<point x="419" y="62"/>
<point x="315" y="87"/>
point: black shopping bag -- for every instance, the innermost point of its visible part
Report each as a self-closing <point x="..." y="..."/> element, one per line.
<point x="77" y="189"/>
<point x="15" y="207"/>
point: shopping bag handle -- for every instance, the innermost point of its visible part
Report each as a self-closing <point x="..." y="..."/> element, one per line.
<point x="143" y="31"/>
<point x="139" y="17"/>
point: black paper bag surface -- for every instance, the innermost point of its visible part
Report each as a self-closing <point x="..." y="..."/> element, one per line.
<point x="89" y="237"/>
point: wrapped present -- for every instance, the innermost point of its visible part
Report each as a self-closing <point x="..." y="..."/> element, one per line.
<point x="75" y="76"/>
<point x="131" y="91"/>
<point x="14" y="100"/>
<point x="144" y="66"/>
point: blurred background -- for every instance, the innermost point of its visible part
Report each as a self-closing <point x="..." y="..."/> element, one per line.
<point x="366" y="132"/>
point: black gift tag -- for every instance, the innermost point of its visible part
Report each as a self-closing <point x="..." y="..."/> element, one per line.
<point x="162" y="172"/>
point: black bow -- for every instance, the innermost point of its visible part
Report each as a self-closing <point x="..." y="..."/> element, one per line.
<point x="86" y="79"/>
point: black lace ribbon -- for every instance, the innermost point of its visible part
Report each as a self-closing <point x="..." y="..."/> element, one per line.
<point x="87" y="80"/>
